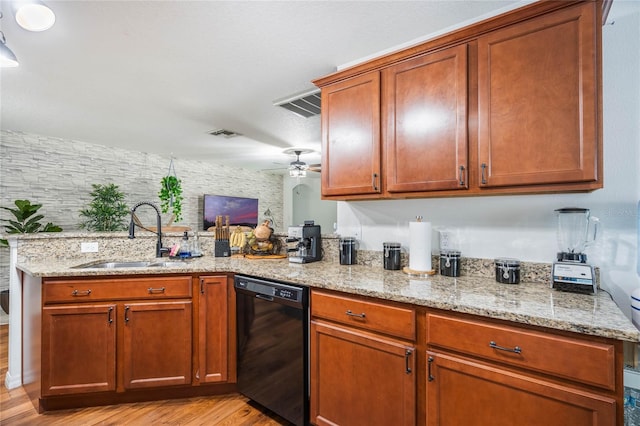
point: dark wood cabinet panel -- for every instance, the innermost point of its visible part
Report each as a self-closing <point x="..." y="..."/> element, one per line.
<point x="351" y="136"/>
<point x="538" y="101"/>
<point x="78" y="349"/>
<point x="424" y="118"/>
<point x="214" y="333"/>
<point x="465" y="392"/>
<point x="157" y="344"/>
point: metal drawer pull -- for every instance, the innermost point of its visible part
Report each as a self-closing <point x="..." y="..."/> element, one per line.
<point x="515" y="350"/>
<point x="76" y="293"/>
<point x="461" y="176"/>
<point x="351" y="314"/>
<point x="429" y="375"/>
<point x="373" y="181"/>
<point x="110" y="320"/>
<point x="155" y="290"/>
<point x="407" y="367"/>
<point x="483" y="179"/>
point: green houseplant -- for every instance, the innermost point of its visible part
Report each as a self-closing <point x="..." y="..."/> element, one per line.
<point x="107" y="210"/>
<point x="171" y="196"/>
<point x="27" y="220"/>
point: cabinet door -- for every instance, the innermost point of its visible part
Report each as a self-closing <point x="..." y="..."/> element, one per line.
<point x="359" y="378"/>
<point x="351" y="136"/>
<point x="425" y="122"/>
<point x="538" y="106"/>
<point x="157" y="344"/>
<point x="463" y="392"/>
<point x="79" y="349"/>
<point x="213" y="328"/>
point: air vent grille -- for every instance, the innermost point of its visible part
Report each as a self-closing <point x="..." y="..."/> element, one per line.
<point x="306" y="104"/>
<point x="225" y="133"/>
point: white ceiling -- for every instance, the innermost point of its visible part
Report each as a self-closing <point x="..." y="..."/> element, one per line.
<point x="157" y="76"/>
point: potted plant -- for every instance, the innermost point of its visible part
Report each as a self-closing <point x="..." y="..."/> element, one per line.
<point x="107" y="210"/>
<point x="171" y="196"/>
<point x="26" y="220"/>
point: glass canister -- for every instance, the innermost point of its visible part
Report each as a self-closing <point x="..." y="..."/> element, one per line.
<point x="507" y="270"/>
<point x="348" y="251"/>
<point x="450" y="263"/>
<point x="391" y="255"/>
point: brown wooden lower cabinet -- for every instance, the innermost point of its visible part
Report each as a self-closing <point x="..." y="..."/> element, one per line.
<point x="466" y="392"/>
<point x="78" y="349"/>
<point x="360" y="378"/>
<point x="120" y="339"/>
<point x="216" y="330"/>
<point x="156" y="344"/>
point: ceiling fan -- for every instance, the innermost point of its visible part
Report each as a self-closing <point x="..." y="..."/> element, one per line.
<point x="298" y="168"/>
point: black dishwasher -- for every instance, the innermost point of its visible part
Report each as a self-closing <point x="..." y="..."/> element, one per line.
<point x="273" y="346"/>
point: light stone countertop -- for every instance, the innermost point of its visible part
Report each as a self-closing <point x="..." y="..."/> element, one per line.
<point x="527" y="303"/>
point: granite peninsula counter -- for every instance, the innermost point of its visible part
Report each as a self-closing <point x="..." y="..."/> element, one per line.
<point x="527" y="303"/>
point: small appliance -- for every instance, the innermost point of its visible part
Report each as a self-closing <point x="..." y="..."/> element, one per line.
<point x="576" y="230"/>
<point x="304" y="243"/>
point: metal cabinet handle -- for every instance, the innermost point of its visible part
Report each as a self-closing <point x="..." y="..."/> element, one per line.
<point x="126" y="313"/>
<point x="461" y="175"/>
<point x="483" y="166"/>
<point x="155" y="290"/>
<point x="407" y="355"/>
<point x="429" y="375"/>
<point x="201" y="285"/>
<point x="109" y="319"/>
<point x="351" y="314"/>
<point x="374" y="180"/>
<point x="515" y="350"/>
<point x="76" y="293"/>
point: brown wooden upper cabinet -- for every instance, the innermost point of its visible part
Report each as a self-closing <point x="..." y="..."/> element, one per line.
<point x="509" y="105"/>
<point x="351" y="136"/>
<point x="538" y="101"/>
<point x="424" y="114"/>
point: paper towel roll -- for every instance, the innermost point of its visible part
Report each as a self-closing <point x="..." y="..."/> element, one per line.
<point x="420" y="246"/>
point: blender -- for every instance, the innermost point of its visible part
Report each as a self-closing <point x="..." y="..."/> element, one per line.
<point x="577" y="229"/>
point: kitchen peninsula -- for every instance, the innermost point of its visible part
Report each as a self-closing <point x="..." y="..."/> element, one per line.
<point x="590" y="329"/>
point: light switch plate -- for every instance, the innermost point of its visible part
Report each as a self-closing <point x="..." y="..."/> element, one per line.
<point x="91" y="247"/>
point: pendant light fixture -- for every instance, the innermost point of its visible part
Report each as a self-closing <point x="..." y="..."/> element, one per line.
<point x="7" y="57"/>
<point x="33" y="15"/>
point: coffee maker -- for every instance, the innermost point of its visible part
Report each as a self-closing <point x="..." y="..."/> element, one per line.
<point x="304" y="244"/>
<point x="576" y="230"/>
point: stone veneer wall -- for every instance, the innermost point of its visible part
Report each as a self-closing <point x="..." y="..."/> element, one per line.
<point x="58" y="173"/>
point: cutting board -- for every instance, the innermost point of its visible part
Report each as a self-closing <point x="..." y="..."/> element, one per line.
<point x="267" y="256"/>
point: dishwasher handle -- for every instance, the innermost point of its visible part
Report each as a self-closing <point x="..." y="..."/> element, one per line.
<point x="264" y="297"/>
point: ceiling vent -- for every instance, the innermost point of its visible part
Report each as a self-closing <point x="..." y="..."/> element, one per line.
<point x="306" y="104"/>
<point x="228" y="134"/>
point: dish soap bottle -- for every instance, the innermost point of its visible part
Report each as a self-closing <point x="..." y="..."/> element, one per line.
<point x="185" y="246"/>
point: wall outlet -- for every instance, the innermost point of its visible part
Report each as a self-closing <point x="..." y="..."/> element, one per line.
<point x="446" y="240"/>
<point x="91" y="247"/>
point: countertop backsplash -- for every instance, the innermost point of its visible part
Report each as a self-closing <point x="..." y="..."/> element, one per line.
<point x="117" y="245"/>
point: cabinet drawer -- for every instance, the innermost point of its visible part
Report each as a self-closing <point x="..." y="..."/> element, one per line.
<point x="383" y="318"/>
<point x="588" y="362"/>
<point x="62" y="291"/>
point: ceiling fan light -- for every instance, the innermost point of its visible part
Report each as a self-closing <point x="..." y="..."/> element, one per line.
<point x="33" y="15"/>
<point x="7" y="57"/>
<point x="297" y="173"/>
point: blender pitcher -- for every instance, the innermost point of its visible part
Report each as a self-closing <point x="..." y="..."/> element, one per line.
<point x="577" y="229"/>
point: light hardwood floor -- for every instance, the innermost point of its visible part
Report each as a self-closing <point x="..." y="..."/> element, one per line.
<point x="229" y="410"/>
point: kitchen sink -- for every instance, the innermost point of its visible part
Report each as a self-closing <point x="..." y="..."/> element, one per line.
<point x="129" y="264"/>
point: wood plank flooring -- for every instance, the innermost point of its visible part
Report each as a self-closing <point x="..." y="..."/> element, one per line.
<point x="228" y="410"/>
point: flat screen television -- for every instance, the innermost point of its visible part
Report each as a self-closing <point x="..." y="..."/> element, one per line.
<point x="241" y="211"/>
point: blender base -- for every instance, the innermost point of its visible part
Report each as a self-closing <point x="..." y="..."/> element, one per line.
<point x="573" y="277"/>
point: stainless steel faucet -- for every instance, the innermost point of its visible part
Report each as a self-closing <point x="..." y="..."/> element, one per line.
<point x="132" y="226"/>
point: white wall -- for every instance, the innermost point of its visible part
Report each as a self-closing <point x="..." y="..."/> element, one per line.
<point x="524" y="226"/>
<point x="302" y="202"/>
